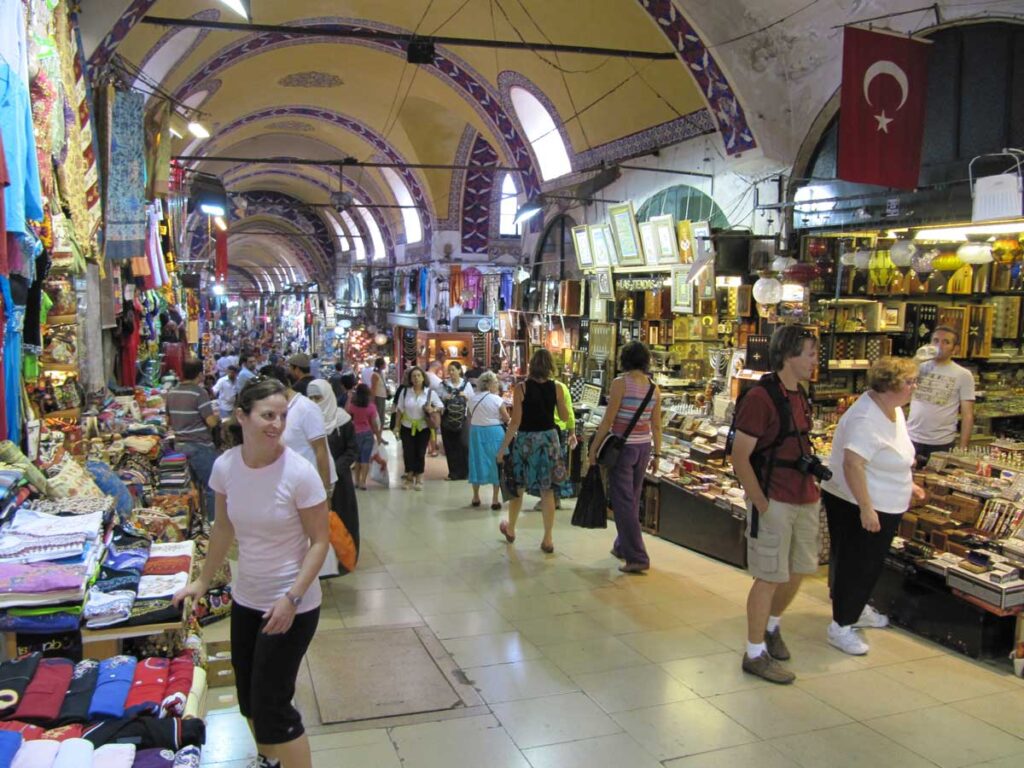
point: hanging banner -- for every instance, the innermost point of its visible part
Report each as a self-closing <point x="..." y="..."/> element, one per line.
<point x="221" y="264"/>
<point x="882" y="104"/>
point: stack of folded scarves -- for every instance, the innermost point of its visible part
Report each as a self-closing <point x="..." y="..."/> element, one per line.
<point x="174" y="473"/>
<point x="111" y="598"/>
<point x="167" y="570"/>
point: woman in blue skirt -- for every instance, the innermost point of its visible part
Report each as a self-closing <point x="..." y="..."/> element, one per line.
<point x="487" y="415"/>
<point x="537" y="464"/>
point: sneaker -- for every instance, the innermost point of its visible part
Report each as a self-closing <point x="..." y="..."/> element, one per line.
<point x="776" y="645"/>
<point x="406" y="483"/>
<point x="264" y="762"/>
<point x="847" y="640"/>
<point x="871" y="619"/>
<point x="767" y="668"/>
<point x="418" y="485"/>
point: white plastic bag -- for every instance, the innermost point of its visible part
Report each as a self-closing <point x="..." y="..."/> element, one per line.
<point x="379" y="468"/>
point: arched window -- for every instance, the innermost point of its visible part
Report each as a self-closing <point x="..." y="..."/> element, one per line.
<point x="410" y="216"/>
<point x="542" y="134"/>
<point x="379" y="251"/>
<point x="509" y="206"/>
<point x="358" y="241"/>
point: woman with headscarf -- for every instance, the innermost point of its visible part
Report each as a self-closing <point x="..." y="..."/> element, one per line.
<point x="341" y="442"/>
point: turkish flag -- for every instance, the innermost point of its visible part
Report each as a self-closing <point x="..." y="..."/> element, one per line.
<point x="881" y="112"/>
<point x="220" y="270"/>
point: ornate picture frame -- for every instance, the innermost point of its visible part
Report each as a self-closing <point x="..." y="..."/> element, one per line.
<point x="581" y="244"/>
<point x="648" y="238"/>
<point x="666" y="239"/>
<point x="601" y="249"/>
<point x="682" y="290"/>
<point x="605" y="283"/>
<point x="626" y="235"/>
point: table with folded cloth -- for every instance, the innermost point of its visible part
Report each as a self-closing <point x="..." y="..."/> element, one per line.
<point x="111" y="598"/>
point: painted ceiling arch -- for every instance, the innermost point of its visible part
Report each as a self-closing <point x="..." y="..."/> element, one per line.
<point x="350" y="125"/>
<point x="262" y="176"/>
<point x="275" y="243"/>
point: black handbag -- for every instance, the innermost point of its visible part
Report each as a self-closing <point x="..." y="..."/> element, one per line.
<point x="611" y="447"/>
<point x="592" y="504"/>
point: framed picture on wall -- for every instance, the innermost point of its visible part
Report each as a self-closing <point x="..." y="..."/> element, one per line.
<point x="650" y="243"/>
<point x="684" y="236"/>
<point x="599" y="245"/>
<point x="605" y="284"/>
<point x="627" y="237"/>
<point x="682" y="290"/>
<point x="700" y="238"/>
<point x="581" y="242"/>
<point x="666" y="239"/>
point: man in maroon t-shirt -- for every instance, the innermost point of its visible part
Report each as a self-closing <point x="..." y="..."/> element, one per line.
<point x="783" y="530"/>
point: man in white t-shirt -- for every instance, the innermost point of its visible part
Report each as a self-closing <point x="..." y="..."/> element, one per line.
<point x="945" y="393"/>
<point x="226" y="389"/>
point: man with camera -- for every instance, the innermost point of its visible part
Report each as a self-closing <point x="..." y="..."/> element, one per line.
<point x="772" y="458"/>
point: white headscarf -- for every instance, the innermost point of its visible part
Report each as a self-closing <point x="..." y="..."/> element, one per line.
<point x="333" y="416"/>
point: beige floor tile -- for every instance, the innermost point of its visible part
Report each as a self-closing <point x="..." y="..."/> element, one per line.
<point x="484" y="650"/>
<point x="601" y="598"/>
<point x="731" y="632"/>
<point x="227" y="738"/>
<point x="949" y="679"/>
<point x="596" y="655"/>
<point x="448" y="602"/>
<point x="895" y="646"/>
<point x="413" y="586"/>
<point x="348" y="739"/>
<point x="221" y="699"/>
<point x="713" y="675"/>
<point x="1010" y="761"/>
<point x="670" y="644"/>
<point x="759" y="755"/>
<point x="632" y="688"/>
<point x="778" y="710"/>
<point x="683" y="728"/>
<point x="553" y="719"/>
<point x="948" y="737"/>
<point x="474" y="741"/>
<point x="629" y="619"/>
<point x="469" y="624"/>
<point x="616" y="751"/>
<point x="528" y="606"/>
<point x="386" y="617"/>
<point x="548" y="630"/>
<point x="360" y="579"/>
<point x="370" y="600"/>
<point x="378" y="755"/>
<point x="1003" y="710"/>
<point x="811" y="658"/>
<point x="848" y="746"/>
<point x="866" y="693"/>
<point x="703" y="610"/>
<point x="519" y="680"/>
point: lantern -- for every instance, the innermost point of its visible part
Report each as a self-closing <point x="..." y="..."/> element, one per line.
<point x="923" y="262"/>
<point x="975" y="253"/>
<point x="881" y="268"/>
<point x="767" y="290"/>
<point x="782" y="263"/>
<point x="1006" y="250"/>
<point x="801" y="273"/>
<point x="380" y="339"/>
<point x="847" y="259"/>
<point x="817" y="247"/>
<point x="862" y="259"/>
<point x="902" y="253"/>
<point x="947" y="261"/>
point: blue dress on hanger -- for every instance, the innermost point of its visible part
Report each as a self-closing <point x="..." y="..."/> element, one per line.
<point x="12" y="361"/>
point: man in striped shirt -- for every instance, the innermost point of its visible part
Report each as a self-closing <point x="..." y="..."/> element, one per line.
<point x="191" y="415"/>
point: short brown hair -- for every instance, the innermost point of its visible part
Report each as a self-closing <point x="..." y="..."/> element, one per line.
<point x="542" y="365"/>
<point x="889" y="373"/>
<point x="787" y="342"/>
<point x="950" y="330"/>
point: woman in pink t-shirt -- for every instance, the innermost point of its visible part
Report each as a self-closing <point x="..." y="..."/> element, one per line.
<point x="272" y="501"/>
<point x="364" y="414"/>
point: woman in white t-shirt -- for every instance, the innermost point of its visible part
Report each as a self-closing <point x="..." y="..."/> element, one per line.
<point x="415" y="404"/>
<point x="487" y="415"/>
<point x="871" y="487"/>
<point x="273" y="502"/>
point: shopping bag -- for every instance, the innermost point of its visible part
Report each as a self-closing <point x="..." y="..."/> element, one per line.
<point x="506" y="477"/>
<point x="591" y="504"/>
<point x="379" y="468"/>
<point x="342" y="543"/>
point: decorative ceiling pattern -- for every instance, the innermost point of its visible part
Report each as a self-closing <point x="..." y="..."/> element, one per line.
<point x="311" y="80"/>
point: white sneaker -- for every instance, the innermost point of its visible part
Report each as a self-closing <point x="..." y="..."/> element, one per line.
<point x="871" y="619"/>
<point x="846" y="639"/>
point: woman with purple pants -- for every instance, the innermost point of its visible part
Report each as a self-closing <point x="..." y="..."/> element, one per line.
<point x="626" y="478"/>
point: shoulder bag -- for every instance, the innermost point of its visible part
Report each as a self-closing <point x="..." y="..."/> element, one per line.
<point x="612" y="445"/>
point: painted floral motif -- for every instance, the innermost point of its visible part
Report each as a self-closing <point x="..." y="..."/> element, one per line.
<point x="310" y="80"/>
<point x="476" y="198"/>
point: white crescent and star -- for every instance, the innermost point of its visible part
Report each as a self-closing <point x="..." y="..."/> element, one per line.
<point x="885" y="67"/>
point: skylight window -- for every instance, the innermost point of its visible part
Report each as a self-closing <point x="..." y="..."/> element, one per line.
<point x="410" y="216"/>
<point x="507" y="220"/>
<point x="542" y="134"/>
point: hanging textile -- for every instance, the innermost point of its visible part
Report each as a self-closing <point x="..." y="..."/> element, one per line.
<point x="221" y="266"/>
<point x="14" y="39"/>
<point x="15" y="317"/>
<point x="154" y="251"/>
<point x="505" y="292"/>
<point x="22" y="199"/>
<point x="71" y="165"/>
<point x="158" y="138"/>
<point x="472" y="291"/>
<point x="455" y="285"/>
<point x="125" y="207"/>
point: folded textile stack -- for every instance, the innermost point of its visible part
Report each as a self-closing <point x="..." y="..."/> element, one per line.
<point x="167" y="570"/>
<point x="111" y="598"/>
<point x="174" y="473"/>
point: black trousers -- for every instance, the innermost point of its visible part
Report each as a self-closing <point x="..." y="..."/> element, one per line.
<point x="923" y="451"/>
<point x="857" y="556"/>
<point x="457" y="454"/>
<point x="414" y="450"/>
<point x="265" y="670"/>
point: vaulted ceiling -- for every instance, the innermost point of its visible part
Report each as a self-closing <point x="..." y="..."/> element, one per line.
<point x="267" y="94"/>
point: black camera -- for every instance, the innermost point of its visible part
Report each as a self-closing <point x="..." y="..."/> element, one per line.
<point x="812" y="465"/>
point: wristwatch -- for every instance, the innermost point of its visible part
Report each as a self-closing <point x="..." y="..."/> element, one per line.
<point x="293" y="600"/>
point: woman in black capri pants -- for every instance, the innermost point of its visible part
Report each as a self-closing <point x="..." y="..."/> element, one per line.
<point x="273" y="501"/>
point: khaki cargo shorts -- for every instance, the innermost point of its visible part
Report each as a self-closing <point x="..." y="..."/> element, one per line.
<point x="788" y="541"/>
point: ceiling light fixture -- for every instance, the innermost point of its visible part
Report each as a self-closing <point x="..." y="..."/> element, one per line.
<point x="175" y="134"/>
<point x="197" y="130"/>
<point x="528" y="210"/>
<point x="212" y="209"/>
<point x="241" y="7"/>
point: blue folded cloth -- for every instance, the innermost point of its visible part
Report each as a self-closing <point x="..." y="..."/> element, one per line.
<point x="10" y="743"/>
<point x="112" y="686"/>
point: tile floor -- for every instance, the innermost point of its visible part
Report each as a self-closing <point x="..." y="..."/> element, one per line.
<point x="582" y="666"/>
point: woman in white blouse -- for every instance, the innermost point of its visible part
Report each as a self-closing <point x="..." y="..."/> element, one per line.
<point x="487" y="415"/>
<point x="415" y="405"/>
<point x="871" y="487"/>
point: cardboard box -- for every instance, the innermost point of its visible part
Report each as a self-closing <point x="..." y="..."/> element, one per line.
<point x="219" y="672"/>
